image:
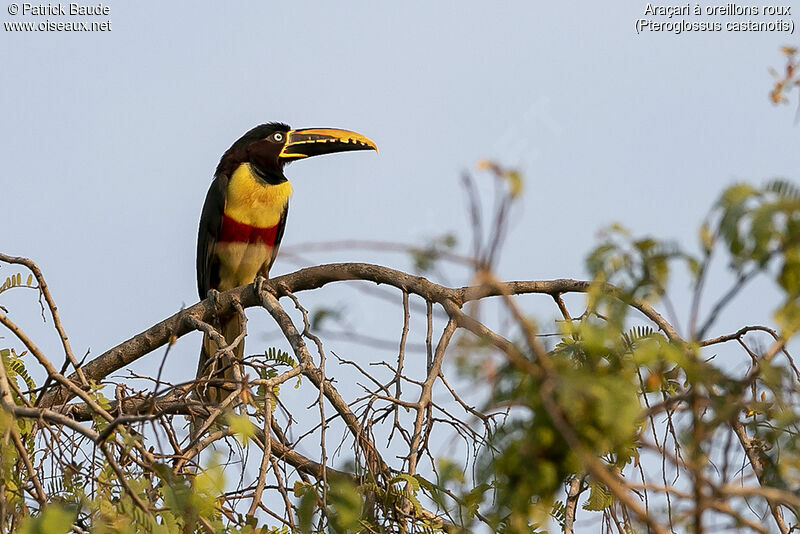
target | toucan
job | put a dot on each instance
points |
(244, 217)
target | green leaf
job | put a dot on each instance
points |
(599, 497)
(15, 280)
(54, 519)
(515, 182)
(706, 238)
(788, 318)
(279, 357)
(789, 277)
(405, 477)
(345, 503)
(783, 189)
(323, 314)
(305, 509)
(241, 427)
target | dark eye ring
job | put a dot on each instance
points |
(277, 136)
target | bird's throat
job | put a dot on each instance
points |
(252, 201)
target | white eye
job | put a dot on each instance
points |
(277, 136)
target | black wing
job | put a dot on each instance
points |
(208, 234)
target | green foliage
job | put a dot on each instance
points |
(345, 499)
(307, 496)
(241, 426)
(341, 506)
(636, 334)
(529, 458)
(425, 258)
(53, 519)
(275, 358)
(15, 368)
(531, 463)
(559, 514)
(12, 495)
(190, 498)
(512, 178)
(599, 499)
(640, 266)
(588, 397)
(603, 368)
(759, 226)
(178, 503)
(323, 314)
(453, 493)
(280, 357)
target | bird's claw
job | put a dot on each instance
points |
(213, 296)
(258, 284)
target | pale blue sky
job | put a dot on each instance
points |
(110, 139)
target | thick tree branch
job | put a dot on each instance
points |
(180, 323)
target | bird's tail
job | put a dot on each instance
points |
(217, 367)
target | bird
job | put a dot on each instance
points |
(244, 218)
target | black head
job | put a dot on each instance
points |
(261, 148)
(268, 147)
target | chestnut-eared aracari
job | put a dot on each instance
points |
(244, 217)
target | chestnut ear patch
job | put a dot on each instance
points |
(264, 154)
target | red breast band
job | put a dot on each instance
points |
(234, 231)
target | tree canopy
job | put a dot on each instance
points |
(623, 414)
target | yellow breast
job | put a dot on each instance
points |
(251, 201)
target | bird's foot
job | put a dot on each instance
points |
(258, 284)
(213, 297)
